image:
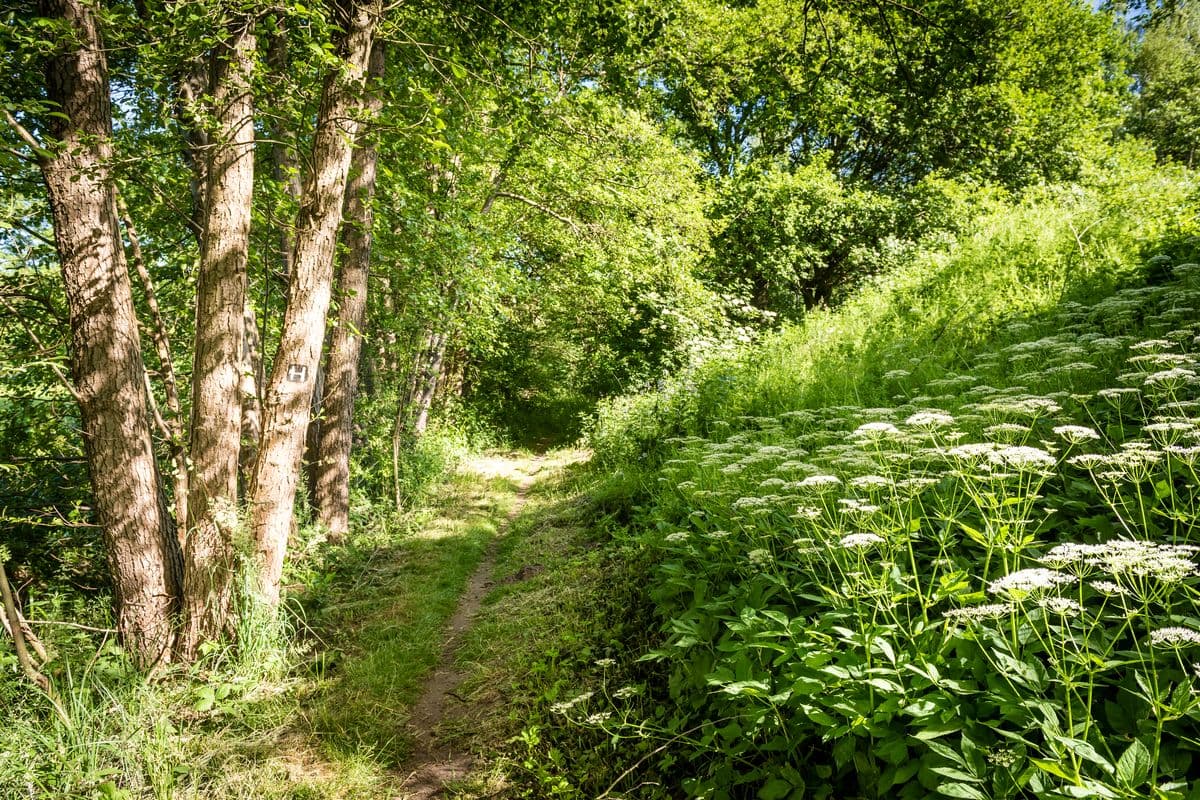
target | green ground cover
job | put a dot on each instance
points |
(940, 541)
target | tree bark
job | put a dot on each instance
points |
(332, 468)
(106, 352)
(429, 383)
(289, 391)
(216, 425)
(251, 388)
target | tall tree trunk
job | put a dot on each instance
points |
(289, 391)
(106, 352)
(312, 436)
(219, 351)
(429, 383)
(251, 391)
(332, 484)
(404, 403)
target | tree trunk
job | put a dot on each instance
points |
(251, 391)
(332, 467)
(404, 403)
(219, 351)
(106, 352)
(429, 383)
(312, 436)
(289, 391)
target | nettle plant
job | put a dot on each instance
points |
(988, 590)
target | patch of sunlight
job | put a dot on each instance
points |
(517, 466)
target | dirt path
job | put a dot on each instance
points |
(433, 764)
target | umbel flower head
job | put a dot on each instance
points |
(1175, 637)
(1022, 583)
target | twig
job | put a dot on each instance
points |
(608, 792)
(25, 135)
(74, 625)
(540, 207)
(70, 387)
(18, 635)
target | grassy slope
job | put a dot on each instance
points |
(1016, 278)
(1058, 244)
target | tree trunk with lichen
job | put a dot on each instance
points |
(331, 489)
(106, 350)
(288, 395)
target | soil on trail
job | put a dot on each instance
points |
(433, 764)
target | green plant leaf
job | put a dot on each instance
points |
(1133, 767)
(964, 790)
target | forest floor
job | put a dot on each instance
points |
(426, 640)
(420, 661)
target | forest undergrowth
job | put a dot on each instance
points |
(315, 706)
(939, 542)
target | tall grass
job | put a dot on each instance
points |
(1054, 244)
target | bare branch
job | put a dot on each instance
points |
(14, 627)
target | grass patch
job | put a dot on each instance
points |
(565, 603)
(303, 715)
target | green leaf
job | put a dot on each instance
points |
(205, 699)
(1133, 767)
(961, 790)
(946, 752)
(1053, 768)
(955, 774)
(1085, 751)
(775, 789)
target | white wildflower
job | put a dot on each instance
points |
(1024, 459)
(819, 482)
(1029, 581)
(1076, 433)
(876, 430)
(1171, 379)
(980, 612)
(1174, 637)
(930, 419)
(1150, 345)
(860, 541)
(870, 482)
(808, 512)
(1063, 606)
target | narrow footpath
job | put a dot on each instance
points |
(433, 764)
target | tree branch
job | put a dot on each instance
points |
(70, 387)
(13, 626)
(27, 137)
(542, 208)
